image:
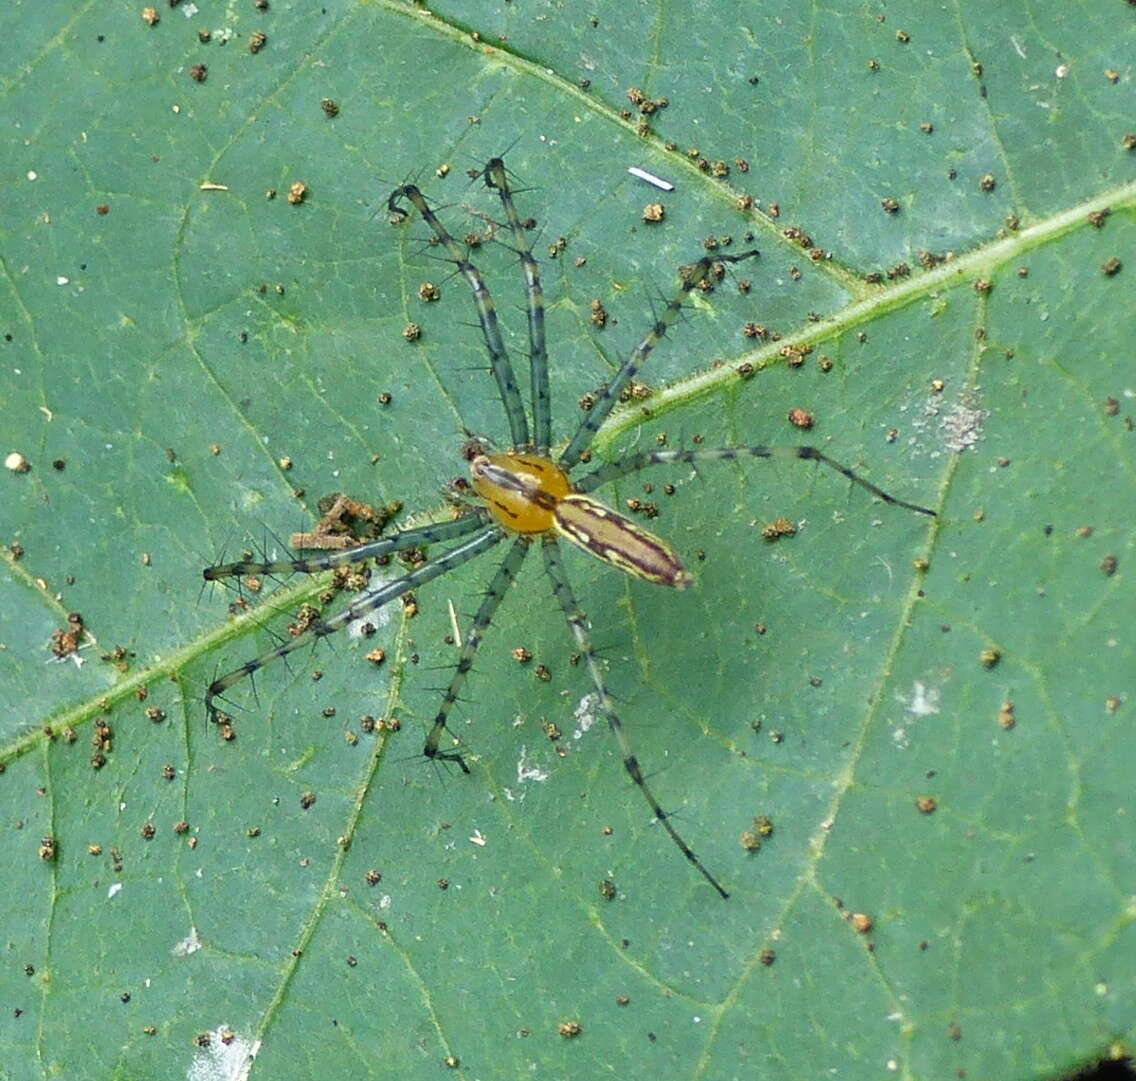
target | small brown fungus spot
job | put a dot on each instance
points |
(1006, 717)
(800, 418)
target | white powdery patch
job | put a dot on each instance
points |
(527, 770)
(962, 425)
(923, 701)
(586, 714)
(190, 944)
(228, 1057)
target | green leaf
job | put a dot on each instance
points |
(171, 335)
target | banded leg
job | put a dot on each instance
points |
(370, 601)
(497, 178)
(481, 621)
(607, 398)
(577, 623)
(398, 542)
(486, 310)
(634, 462)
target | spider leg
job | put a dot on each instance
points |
(577, 623)
(397, 542)
(634, 462)
(692, 277)
(370, 601)
(486, 310)
(505, 575)
(496, 177)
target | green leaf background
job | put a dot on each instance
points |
(1001, 940)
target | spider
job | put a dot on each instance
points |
(527, 494)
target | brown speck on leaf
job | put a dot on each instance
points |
(800, 418)
(150, 16)
(795, 354)
(66, 642)
(926, 804)
(1111, 266)
(1006, 715)
(653, 213)
(198, 73)
(257, 41)
(412, 332)
(297, 192)
(989, 657)
(329, 107)
(778, 528)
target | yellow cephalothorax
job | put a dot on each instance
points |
(530, 494)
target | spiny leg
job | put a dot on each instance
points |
(370, 601)
(505, 575)
(496, 177)
(605, 402)
(397, 542)
(577, 623)
(486, 310)
(634, 462)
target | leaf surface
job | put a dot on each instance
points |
(935, 714)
